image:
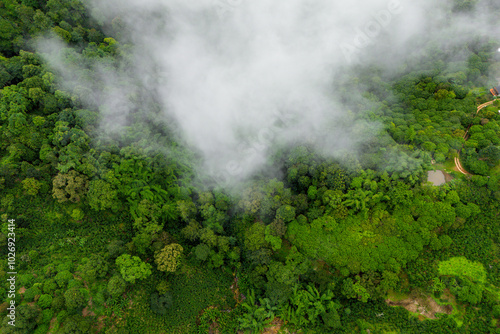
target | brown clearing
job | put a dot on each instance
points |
(275, 327)
(425, 307)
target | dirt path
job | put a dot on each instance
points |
(457, 158)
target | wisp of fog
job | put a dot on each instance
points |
(241, 76)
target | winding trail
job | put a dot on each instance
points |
(457, 158)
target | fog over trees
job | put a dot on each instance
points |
(226, 166)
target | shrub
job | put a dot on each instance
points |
(31, 186)
(163, 287)
(202, 251)
(44, 301)
(63, 277)
(74, 298)
(61, 316)
(116, 286)
(132, 268)
(65, 266)
(58, 302)
(47, 315)
(168, 258)
(41, 329)
(160, 303)
(30, 293)
(49, 286)
(115, 249)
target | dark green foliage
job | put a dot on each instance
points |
(160, 304)
(47, 315)
(58, 302)
(75, 324)
(202, 251)
(115, 249)
(74, 298)
(102, 196)
(31, 293)
(26, 320)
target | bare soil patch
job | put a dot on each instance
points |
(427, 307)
(436, 177)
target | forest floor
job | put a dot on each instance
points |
(275, 327)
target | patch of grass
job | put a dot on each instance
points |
(397, 296)
(447, 166)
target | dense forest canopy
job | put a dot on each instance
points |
(228, 167)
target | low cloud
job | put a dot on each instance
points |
(241, 76)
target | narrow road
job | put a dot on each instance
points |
(457, 158)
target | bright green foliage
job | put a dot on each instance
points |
(102, 195)
(255, 237)
(355, 290)
(258, 314)
(44, 301)
(331, 319)
(361, 222)
(274, 241)
(308, 306)
(31, 186)
(437, 285)
(132, 268)
(187, 209)
(461, 267)
(62, 278)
